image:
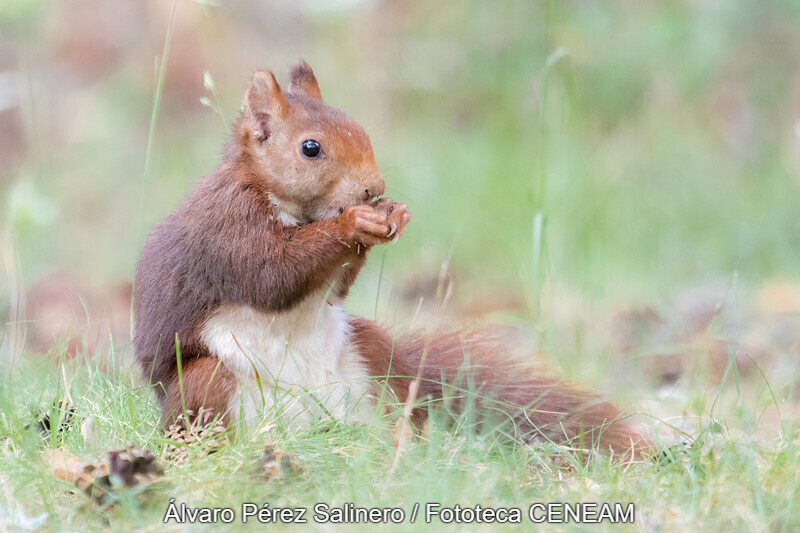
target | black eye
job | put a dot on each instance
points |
(311, 148)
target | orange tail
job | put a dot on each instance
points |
(458, 368)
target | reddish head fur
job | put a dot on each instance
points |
(272, 130)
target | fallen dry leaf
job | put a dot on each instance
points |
(65, 466)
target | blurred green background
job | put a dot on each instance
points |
(658, 140)
(619, 178)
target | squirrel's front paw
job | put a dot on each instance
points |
(365, 225)
(398, 220)
(397, 216)
(381, 222)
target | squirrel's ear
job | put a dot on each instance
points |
(303, 82)
(263, 103)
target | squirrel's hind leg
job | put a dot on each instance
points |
(207, 384)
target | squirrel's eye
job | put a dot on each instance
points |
(311, 148)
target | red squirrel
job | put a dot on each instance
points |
(249, 277)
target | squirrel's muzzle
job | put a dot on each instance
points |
(374, 187)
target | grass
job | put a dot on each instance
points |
(564, 160)
(726, 478)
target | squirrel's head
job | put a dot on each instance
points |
(314, 160)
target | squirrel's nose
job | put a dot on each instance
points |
(374, 189)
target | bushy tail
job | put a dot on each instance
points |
(462, 368)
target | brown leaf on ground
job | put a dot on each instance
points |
(69, 315)
(112, 471)
(65, 466)
(777, 296)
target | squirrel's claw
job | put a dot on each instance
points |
(398, 218)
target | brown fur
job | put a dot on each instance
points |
(303, 82)
(227, 244)
(207, 383)
(192, 263)
(233, 241)
(463, 366)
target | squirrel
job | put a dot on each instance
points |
(239, 293)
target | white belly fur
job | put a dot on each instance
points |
(304, 359)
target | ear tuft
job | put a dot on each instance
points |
(303, 82)
(263, 103)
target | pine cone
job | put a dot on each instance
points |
(43, 421)
(117, 470)
(202, 436)
(275, 464)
